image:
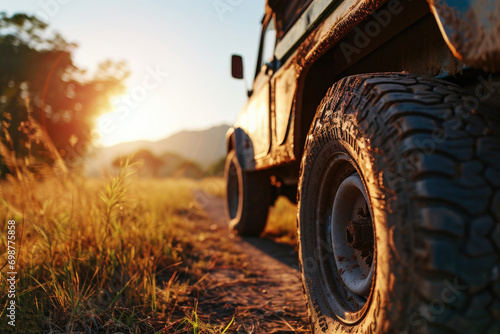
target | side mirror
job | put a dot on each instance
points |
(237, 66)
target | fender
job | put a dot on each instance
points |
(470, 28)
(237, 139)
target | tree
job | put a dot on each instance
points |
(41, 90)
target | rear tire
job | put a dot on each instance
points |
(429, 166)
(248, 197)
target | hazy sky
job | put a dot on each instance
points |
(186, 44)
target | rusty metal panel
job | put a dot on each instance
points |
(255, 116)
(285, 85)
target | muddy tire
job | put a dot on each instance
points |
(404, 171)
(248, 197)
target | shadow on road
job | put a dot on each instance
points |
(281, 252)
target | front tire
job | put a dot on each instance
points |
(248, 197)
(424, 254)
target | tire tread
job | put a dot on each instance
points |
(457, 184)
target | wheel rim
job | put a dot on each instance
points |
(232, 190)
(352, 236)
(346, 277)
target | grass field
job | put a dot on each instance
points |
(282, 222)
(115, 256)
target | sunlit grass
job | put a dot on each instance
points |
(282, 222)
(102, 256)
(213, 186)
(128, 254)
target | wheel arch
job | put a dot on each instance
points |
(389, 51)
(239, 141)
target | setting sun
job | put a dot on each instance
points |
(166, 38)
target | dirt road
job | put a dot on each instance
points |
(268, 296)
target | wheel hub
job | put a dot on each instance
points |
(352, 237)
(359, 234)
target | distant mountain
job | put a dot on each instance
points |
(205, 147)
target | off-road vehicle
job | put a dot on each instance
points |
(381, 120)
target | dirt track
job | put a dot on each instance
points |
(271, 293)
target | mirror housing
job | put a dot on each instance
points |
(237, 66)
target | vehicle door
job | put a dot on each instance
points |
(258, 110)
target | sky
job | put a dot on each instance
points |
(178, 53)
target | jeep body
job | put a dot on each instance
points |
(312, 44)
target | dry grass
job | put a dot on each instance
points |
(96, 256)
(213, 186)
(125, 255)
(282, 222)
